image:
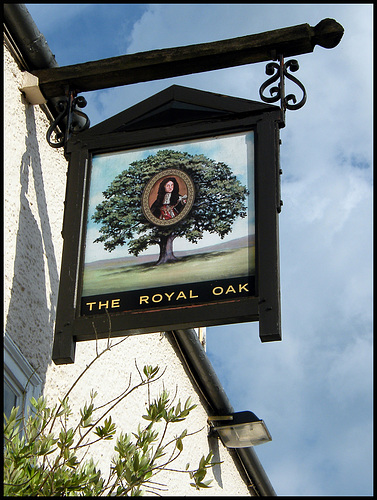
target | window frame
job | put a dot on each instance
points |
(20, 376)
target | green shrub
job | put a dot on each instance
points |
(43, 453)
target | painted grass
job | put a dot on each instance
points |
(118, 277)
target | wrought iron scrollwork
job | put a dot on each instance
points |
(68, 119)
(278, 92)
(54, 127)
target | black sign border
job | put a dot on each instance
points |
(264, 121)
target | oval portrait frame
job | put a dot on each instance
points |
(150, 187)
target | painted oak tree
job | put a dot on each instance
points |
(219, 201)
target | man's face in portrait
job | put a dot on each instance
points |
(169, 186)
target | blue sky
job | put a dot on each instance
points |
(313, 389)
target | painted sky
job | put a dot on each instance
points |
(313, 389)
(236, 150)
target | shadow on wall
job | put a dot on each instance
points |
(32, 306)
(213, 443)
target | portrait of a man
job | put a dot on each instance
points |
(169, 202)
(168, 197)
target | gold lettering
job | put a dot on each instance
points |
(158, 299)
(230, 289)
(90, 304)
(193, 296)
(220, 288)
(169, 296)
(181, 295)
(243, 287)
(115, 303)
(103, 304)
(144, 298)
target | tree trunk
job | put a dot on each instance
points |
(166, 250)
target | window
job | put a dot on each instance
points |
(10, 398)
(21, 382)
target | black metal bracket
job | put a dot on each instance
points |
(278, 92)
(70, 119)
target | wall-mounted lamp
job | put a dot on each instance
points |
(240, 430)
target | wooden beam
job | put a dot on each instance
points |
(167, 63)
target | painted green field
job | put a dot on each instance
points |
(116, 276)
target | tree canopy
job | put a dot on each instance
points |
(219, 201)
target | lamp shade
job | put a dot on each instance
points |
(244, 429)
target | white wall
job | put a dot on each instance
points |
(34, 188)
(34, 191)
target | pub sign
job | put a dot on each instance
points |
(171, 220)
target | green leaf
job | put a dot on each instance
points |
(205, 484)
(179, 444)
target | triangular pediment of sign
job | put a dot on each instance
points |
(173, 106)
(171, 113)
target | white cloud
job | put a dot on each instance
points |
(349, 376)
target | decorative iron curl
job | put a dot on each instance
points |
(54, 127)
(270, 68)
(68, 114)
(278, 92)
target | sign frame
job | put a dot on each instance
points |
(173, 115)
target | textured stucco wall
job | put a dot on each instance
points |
(34, 188)
(34, 191)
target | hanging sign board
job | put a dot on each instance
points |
(171, 220)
